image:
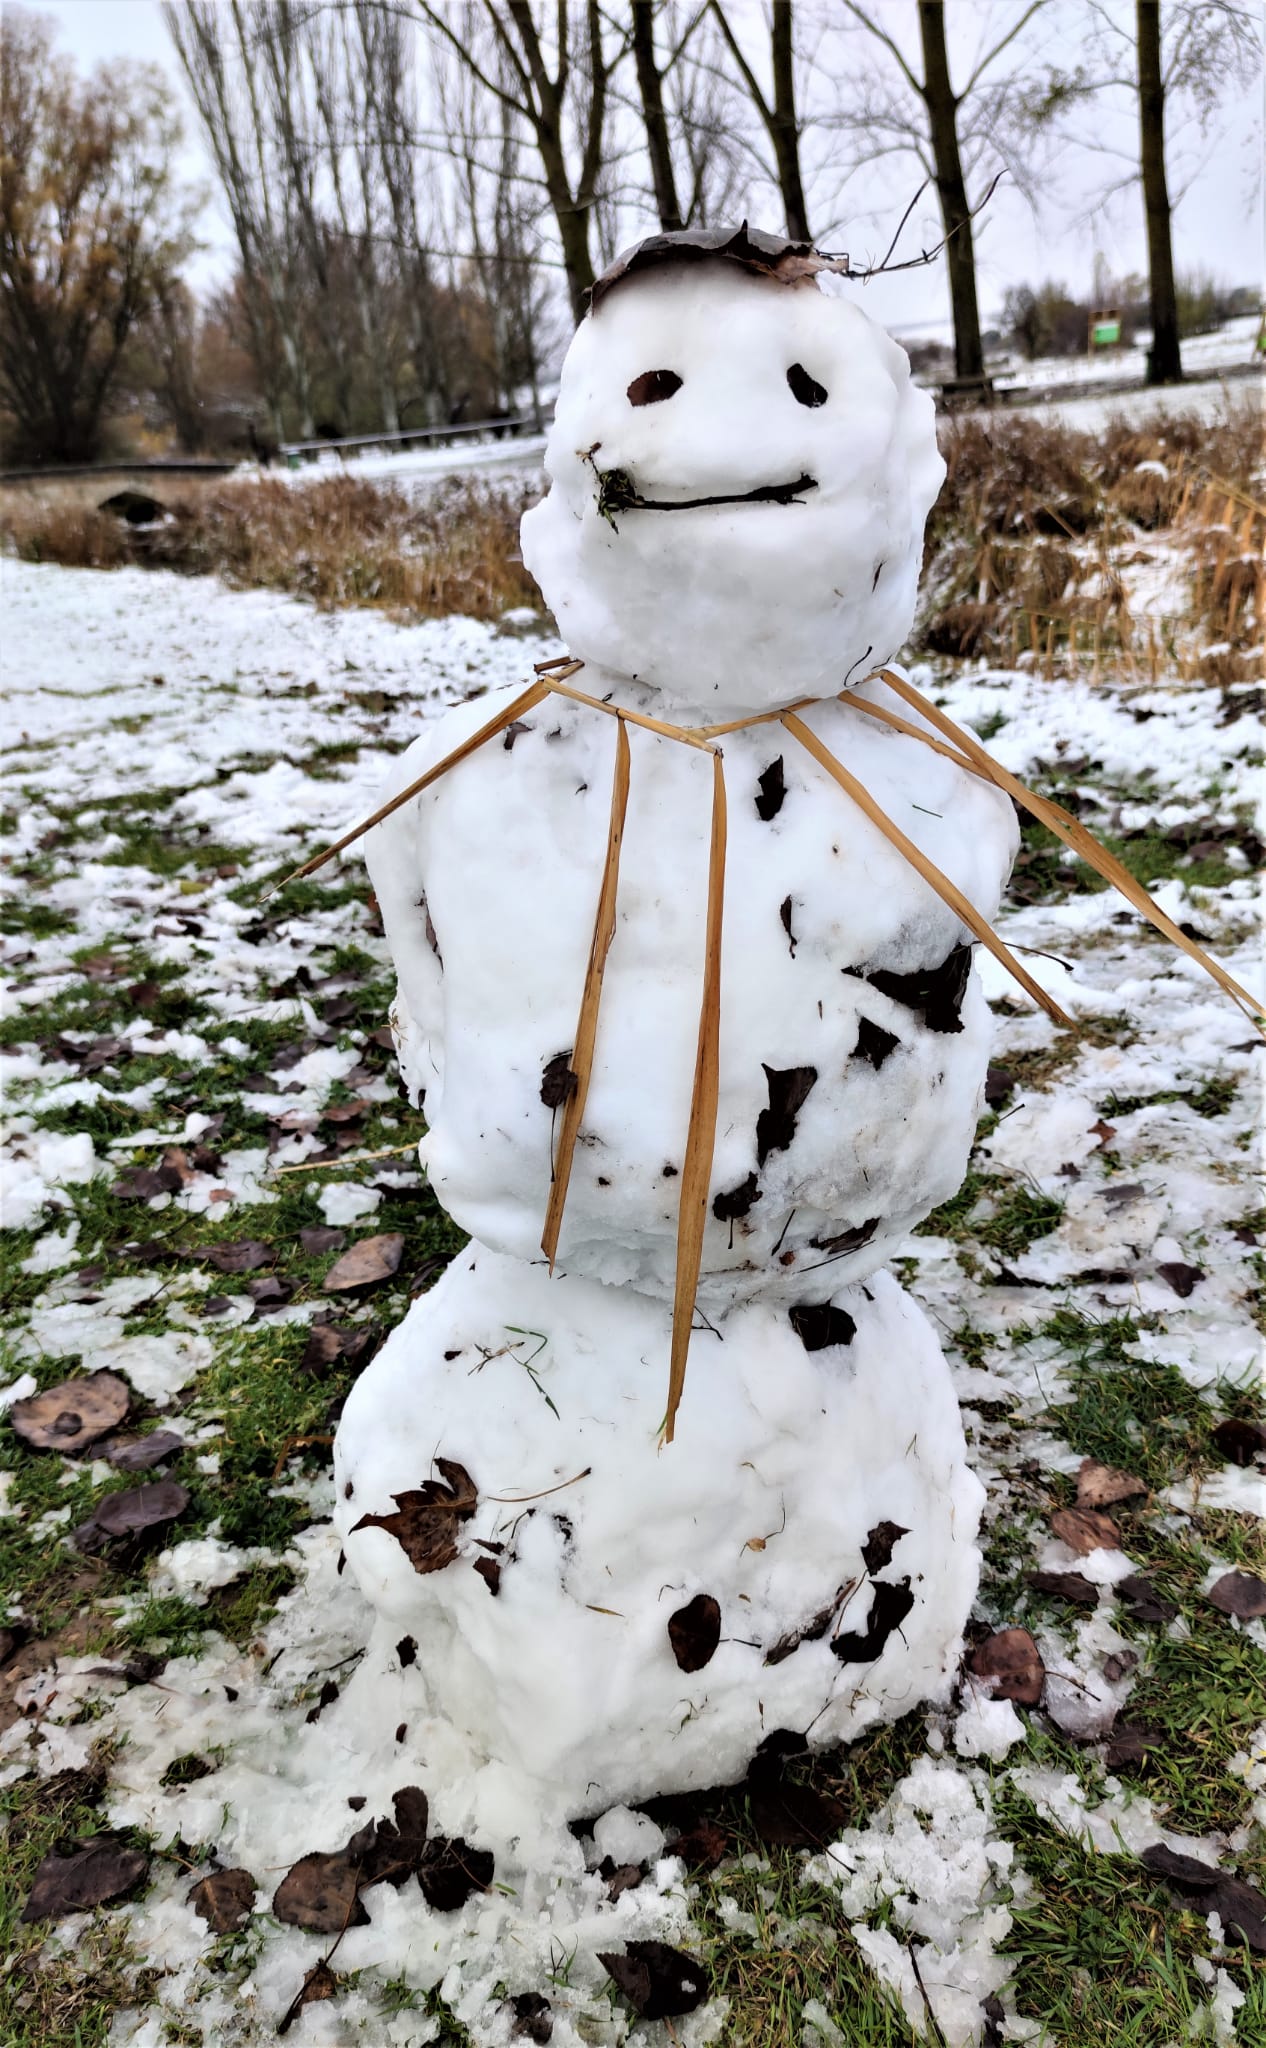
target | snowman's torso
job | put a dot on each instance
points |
(853, 1034)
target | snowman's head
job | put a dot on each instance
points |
(740, 471)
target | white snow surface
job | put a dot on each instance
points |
(732, 607)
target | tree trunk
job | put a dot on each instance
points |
(650, 87)
(1164, 360)
(784, 131)
(960, 255)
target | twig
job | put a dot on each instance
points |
(347, 1159)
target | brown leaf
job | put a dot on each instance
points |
(141, 1508)
(371, 1260)
(999, 1084)
(533, 2020)
(321, 1237)
(1068, 1586)
(225, 1899)
(1129, 1744)
(1240, 1907)
(820, 1325)
(620, 1877)
(1140, 1596)
(489, 1570)
(1099, 1486)
(772, 785)
(1182, 1278)
(425, 1521)
(329, 1342)
(813, 1630)
(558, 1081)
(73, 1415)
(1239, 1593)
(874, 1044)
(1241, 1441)
(321, 1892)
(1104, 1132)
(935, 993)
(344, 1112)
(450, 1870)
(736, 1202)
(95, 1873)
(269, 1293)
(694, 1632)
(246, 1256)
(888, 1610)
(879, 1545)
(1084, 1530)
(788, 1091)
(143, 1183)
(701, 1846)
(320, 1983)
(1010, 1657)
(138, 1453)
(659, 1982)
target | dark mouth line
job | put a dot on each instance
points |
(617, 492)
(764, 494)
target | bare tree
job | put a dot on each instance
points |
(777, 112)
(556, 81)
(92, 230)
(650, 86)
(926, 116)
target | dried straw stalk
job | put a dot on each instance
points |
(1083, 843)
(587, 1022)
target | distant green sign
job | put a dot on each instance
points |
(1105, 333)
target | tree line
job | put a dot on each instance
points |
(421, 195)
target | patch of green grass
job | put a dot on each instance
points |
(1212, 1098)
(1016, 1215)
(1101, 1952)
(1045, 873)
(34, 920)
(67, 1999)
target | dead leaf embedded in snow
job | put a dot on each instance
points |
(224, 1899)
(558, 1082)
(247, 1256)
(737, 1201)
(425, 1521)
(873, 1043)
(1104, 1132)
(1182, 1278)
(936, 993)
(373, 1259)
(694, 1632)
(533, 2019)
(773, 788)
(880, 1543)
(1099, 1486)
(321, 1892)
(889, 1609)
(450, 1870)
(93, 1874)
(141, 1508)
(1240, 1594)
(813, 1630)
(1084, 1530)
(320, 1983)
(1010, 1657)
(73, 1415)
(820, 1325)
(659, 1982)
(788, 1091)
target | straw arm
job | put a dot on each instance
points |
(581, 1062)
(948, 891)
(1085, 844)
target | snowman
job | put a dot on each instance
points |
(739, 473)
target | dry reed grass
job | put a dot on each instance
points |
(342, 541)
(1135, 551)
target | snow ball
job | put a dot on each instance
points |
(988, 1728)
(628, 1837)
(342, 1201)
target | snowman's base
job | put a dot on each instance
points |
(545, 1573)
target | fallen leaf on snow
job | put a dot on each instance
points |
(889, 1609)
(533, 2019)
(1241, 1442)
(224, 1899)
(1010, 1657)
(425, 1520)
(320, 1983)
(694, 1632)
(450, 1870)
(321, 1892)
(1070, 1586)
(1182, 1278)
(880, 1543)
(141, 1508)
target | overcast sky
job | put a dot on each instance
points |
(1217, 225)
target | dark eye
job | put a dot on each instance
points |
(805, 389)
(653, 386)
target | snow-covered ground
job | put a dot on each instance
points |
(150, 715)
